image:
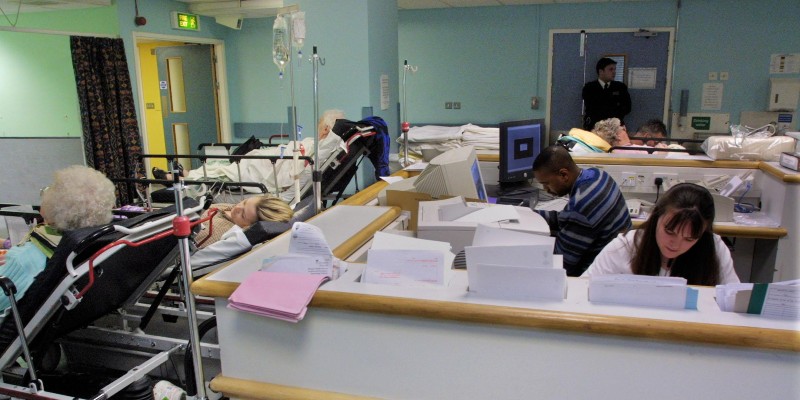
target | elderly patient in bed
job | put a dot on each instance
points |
(606, 134)
(263, 171)
(79, 197)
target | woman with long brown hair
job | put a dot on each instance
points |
(676, 240)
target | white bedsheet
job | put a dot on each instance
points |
(480, 137)
(262, 171)
(433, 133)
(444, 138)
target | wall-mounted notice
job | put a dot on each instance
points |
(712, 96)
(784, 64)
(642, 78)
(384, 92)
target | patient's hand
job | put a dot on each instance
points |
(3, 257)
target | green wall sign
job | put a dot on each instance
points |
(701, 123)
(185, 21)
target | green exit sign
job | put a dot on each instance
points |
(185, 21)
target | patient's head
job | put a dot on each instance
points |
(78, 197)
(653, 128)
(612, 131)
(327, 120)
(260, 208)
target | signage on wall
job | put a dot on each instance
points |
(701, 123)
(185, 21)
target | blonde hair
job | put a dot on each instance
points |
(79, 197)
(607, 129)
(273, 209)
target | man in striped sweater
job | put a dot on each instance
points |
(595, 214)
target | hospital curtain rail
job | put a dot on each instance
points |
(112, 143)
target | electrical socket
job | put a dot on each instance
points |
(667, 179)
(448, 105)
(631, 179)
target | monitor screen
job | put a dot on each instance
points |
(520, 143)
(477, 179)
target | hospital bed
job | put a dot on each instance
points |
(362, 139)
(261, 232)
(93, 273)
(690, 146)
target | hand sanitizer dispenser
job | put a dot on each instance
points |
(783, 94)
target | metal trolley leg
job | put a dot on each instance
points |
(10, 290)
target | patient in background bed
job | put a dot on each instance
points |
(653, 128)
(79, 197)
(263, 171)
(606, 134)
(227, 238)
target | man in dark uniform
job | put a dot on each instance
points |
(605, 97)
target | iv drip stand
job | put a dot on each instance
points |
(295, 150)
(316, 175)
(191, 308)
(405, 126)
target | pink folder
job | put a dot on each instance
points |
(280, 295)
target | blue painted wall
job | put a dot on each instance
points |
(491, 59)
(494, 59)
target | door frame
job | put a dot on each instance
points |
(219, 66)
(670, 64)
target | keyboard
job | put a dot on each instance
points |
(514, 201)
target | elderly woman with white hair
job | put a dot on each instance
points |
(79, 197)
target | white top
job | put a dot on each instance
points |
(615, 258)
(232, 243)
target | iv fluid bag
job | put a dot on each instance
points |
(298, 30)
(280, 44)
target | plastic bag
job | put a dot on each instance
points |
(741, 132)
(746, 143)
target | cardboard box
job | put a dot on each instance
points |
(409, 200)
(461, 233)
(790, 160)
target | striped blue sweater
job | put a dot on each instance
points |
(595, 214)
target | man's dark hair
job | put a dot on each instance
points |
(553, 158)
(603, 63)
(653, 126)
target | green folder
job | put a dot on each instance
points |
(757, 298)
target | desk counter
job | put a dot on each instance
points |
(361, 340)
(676, 160)
(739, 231)
(775, 259)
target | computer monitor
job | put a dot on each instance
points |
(520, 143)
(453, 173)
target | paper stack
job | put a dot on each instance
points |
(280, 295)
(776, 300)
(638, 290)
(514, 265)
(309, 253)
(405, 261)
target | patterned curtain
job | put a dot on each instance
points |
(110, 131)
